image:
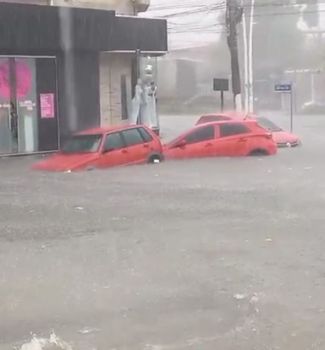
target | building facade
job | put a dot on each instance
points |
(124, 7)
(65, 69)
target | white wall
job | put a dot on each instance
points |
(112, 67)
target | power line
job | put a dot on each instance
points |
(196, 27)
(198, 8)
(272, 14)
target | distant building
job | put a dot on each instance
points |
(64, 69)
(177, 79)
(186, 75)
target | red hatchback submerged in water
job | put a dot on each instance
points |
(224, 138)
(104, 148)
(281, 137)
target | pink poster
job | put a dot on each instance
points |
(47, 105)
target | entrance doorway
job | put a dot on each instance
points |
(21, 111)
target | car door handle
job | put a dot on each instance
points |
(208, 145)
(145, 145)
(124, 151)
(242, 139)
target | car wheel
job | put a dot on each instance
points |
(258, 153)
(155, 159)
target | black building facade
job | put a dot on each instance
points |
(50, 69)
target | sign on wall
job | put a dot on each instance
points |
(47, 106)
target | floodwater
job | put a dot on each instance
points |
(209, 253)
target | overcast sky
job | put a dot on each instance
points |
(191, 23)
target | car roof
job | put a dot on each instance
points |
(231, 114)
(231, 121)
(106, 129)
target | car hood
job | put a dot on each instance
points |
(282, 137)
(65, 162)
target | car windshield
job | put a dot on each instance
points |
(82, 144)
(268, 125)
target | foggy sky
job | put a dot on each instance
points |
(190, 30)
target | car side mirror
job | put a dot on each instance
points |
(182, 143)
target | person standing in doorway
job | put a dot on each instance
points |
(153, 102)
(149, 107)
(14, 124)
(137, 101)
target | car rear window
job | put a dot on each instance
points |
(145, 135)
(233, 129)
(82, 144)
(132, 137)
(201, 134)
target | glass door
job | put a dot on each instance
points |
(7, 127)
(25, 104)
(18, 108)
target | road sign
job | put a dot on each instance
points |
(286, 88)
(283, 87)
(220, 84)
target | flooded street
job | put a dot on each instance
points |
(197, 254)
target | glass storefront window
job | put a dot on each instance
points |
(7, 136)
(20, 113)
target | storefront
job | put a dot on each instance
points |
(52, 70)
(28, 106)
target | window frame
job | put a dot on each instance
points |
(143, 130)
(131, 129)
(220, 136)
(197, 130)
(80, 136)
(112, 133)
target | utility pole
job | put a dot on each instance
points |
(246, 68)
(234, 14)
(250, 59)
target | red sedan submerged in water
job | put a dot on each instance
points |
(223, 138)
(104, 148)
(281, 137)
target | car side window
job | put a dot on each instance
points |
(113, 141)
(201, 134)
(132, 137)
(145, 135)
(233, 129)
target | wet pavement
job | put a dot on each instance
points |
(199, 254)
